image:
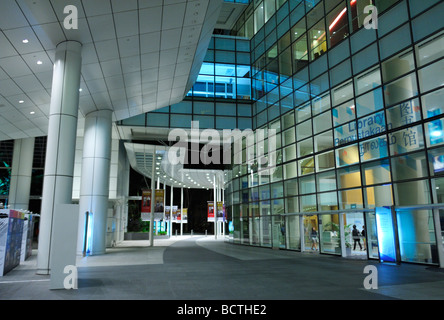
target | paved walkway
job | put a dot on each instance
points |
(202, 268)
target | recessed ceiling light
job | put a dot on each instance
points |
(21, 101)
(80, 89)
(25, 40)
(39, 62)
(32, 112)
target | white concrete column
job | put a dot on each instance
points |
(62, 131)
(181, 211)
(21, 173)
(171, 210)
(215, 206)
(153, 197)
(94, 185)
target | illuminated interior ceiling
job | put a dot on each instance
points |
(141, 157)
(138, 56)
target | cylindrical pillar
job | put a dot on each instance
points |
(171, 210)
(153, 197)
(62, 131)
(181, 211)
(94, 185)
(21, 173)
(215, 206)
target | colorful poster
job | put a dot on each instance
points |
(159, 201)
(184, 215)
(146, 205)
(220, 211)
(174, 213)
(210, 211)
(167, 213)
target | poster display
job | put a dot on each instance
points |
(220, 211)
(11, 236)
(159, 196)
(146, 205)
(210, 211)
(184, 215)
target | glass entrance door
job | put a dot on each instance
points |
(371, 236)
(329, 234)
(311, 233)
(353, 229)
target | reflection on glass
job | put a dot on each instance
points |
(329, 234)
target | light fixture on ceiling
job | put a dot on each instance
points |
(21, 101)
(25, 40)
(32, 112)
(39, 62)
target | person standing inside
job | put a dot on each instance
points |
(356, 238)
(314, 239)
(363, 238)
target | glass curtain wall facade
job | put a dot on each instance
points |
(358, 115)
(221, 96)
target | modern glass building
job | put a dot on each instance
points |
(344, 99)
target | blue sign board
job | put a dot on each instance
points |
(386, 234)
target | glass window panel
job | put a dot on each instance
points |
(369, 102)
(182, 107)
(342, 93)
(305, 147)
(291, 187)
(307, 185)
(323, 141)
(337, 22)
(306, 166)
(285, 68)
(300, 53)
(434, 132)
(412, 193)
(371, 125)
(350, 199)
(203, 107)
(398, 66)
(344, 113)
(395, 41)
(290, 153)
(373, 149)
(290, 170)
(328, 201)
(315, 15)
(431, 76)
(366, 58)
(303, 130)
(205, 122)
(417, 238)
(303, 112)
(409, 166)
(345, 134)
(433, 103)
(298, 30)
(326, 181)
(347, 155)
(404, 113)
(258, 18)
(406, 140)
(378, 196)
(430, 50)
(436, 163)
(321, 104)
(288, 137)
(288, 120)
(322, 122)
(376, 172)
(367, 81)
(270, 8)
(308, 203)
(178, 121)
(325, 161)
(317, 40)
(349, 177)
(357, 13)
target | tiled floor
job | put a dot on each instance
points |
(202, 268)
